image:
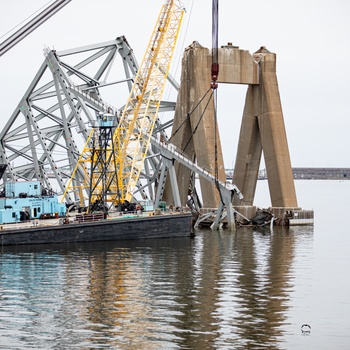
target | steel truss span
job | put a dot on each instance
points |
(44, 136)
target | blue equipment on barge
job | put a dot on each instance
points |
(25, 201)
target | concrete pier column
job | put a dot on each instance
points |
(263, 130)
(196, 137)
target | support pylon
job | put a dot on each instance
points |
(263, 132)
(262, 129)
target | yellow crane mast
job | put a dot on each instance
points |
(113, 178)
(132, 136)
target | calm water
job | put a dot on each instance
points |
(250, 290)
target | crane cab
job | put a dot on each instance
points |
(106, 120)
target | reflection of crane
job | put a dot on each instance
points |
(132, 136)
(31, 25)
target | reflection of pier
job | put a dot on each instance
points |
(203, 293)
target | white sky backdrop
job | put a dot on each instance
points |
(310, 38)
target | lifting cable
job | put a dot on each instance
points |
(216, 146)
(196, 127)
(214, 84)
(189, 114)
(213, 87)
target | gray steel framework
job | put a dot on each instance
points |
(47, 131)
(43, 137)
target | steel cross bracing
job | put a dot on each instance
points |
(43, 137)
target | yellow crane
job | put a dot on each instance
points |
(131, 138)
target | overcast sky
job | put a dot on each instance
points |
(310, 38)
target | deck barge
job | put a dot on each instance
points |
(124, 227)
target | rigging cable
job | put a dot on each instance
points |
(215, 50)
(189, 114)
(214, 84)
(200, 119)
(216, 145)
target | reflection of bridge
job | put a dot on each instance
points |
(219, 287)
(261, 175)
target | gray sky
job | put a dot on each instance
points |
(310, 38)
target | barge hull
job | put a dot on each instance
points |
(162, 226)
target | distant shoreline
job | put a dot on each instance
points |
(308, 174)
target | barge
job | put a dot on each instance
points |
(72, 230)
(29, 215)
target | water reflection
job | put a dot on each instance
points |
(264, 285)
(219, 290)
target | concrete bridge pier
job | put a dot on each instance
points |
(262, 130)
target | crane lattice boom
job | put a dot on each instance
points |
(117, 161)
(132, 136)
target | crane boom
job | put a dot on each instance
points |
(132, 136)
